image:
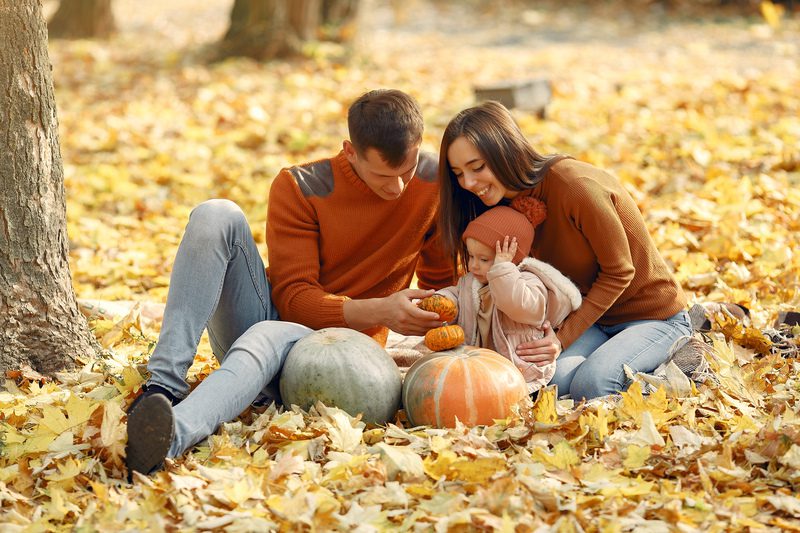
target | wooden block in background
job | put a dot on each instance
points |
(790, 318)
(529, 94)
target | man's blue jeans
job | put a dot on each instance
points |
(218, 282)
(592, 365)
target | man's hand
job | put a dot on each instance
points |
(541, 351)
(396, 311)
(507, 251)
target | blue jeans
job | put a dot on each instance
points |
(218, 282)
(592, 365)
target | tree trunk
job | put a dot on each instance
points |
(269, 29)
(40, 324)
(339, 18)
(82, 19)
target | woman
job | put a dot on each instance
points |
(633, 308)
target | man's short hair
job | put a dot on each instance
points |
(389, 121)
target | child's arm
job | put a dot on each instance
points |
(522, 297)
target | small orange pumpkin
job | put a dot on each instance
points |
(476, 385)
(444, 338)
(436, 303)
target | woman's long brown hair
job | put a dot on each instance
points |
(511, 158)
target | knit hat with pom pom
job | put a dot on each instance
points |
(494, 224)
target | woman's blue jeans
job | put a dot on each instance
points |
(592, 366)
(218, 282)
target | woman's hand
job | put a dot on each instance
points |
(542, 351)
(507, 251)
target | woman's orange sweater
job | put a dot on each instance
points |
(596, 236)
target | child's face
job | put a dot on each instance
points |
(480, 259)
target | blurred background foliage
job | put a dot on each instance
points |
(693, 104)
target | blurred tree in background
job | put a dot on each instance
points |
(81, 19)
(267, 29)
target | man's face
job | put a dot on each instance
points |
(385, 181)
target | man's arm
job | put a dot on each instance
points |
(435, 268)
(294, 265)
(293, 250)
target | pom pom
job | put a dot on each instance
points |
(534, 210)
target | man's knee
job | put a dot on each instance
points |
(217, 213)
(273, 336)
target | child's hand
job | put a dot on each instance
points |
(507, 251)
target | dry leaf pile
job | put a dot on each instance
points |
(700, 118)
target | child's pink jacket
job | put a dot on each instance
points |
(524, 296)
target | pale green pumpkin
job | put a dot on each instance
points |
(342, 368)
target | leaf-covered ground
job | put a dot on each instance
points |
(698, 115)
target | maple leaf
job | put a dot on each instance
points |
(401, 462)
(562, 456)
(344, 436)
(544, 408)
(636, 456)
(113, 434)
(772, 13)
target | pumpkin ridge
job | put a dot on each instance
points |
(439, 389)
(498, 398)
(471, 407)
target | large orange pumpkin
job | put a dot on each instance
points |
(474, 384)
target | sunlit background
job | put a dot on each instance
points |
(694, 105)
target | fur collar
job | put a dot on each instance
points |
(553, 279)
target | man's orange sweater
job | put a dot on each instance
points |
(331, 238)
(595, 235)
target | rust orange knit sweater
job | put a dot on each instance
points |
(596, 236)
(330, 238)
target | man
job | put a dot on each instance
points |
(345, 236)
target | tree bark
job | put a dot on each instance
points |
(82, 19)
(270, 29)
(339, 18)
(40, 324)
(259, 29)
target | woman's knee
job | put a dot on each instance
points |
(592, 381)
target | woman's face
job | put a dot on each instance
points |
(473, 173)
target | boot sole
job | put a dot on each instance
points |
(151, 427)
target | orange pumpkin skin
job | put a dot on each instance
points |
(444, 338)
(476, 385)
(436, 303)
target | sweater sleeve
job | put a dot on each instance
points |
(434, 268)
(596, 216)
(452, 293)
(293, 251)
(523, 298)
